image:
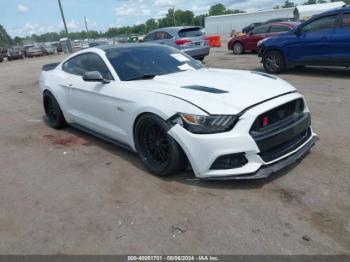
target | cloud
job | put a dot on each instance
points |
(22, 8)
(165, 3)
(133, 8)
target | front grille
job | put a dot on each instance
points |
(278, 114)
(281, 130)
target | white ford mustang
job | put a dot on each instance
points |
(171, 110)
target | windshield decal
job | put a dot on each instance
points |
(180, 57)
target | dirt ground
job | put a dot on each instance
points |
(65, 192)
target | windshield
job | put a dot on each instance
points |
(144, 62)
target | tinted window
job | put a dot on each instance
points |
(149, 37)
(162, 35)
(279, 28)
(260, 30)
(190, 32)
(346, 20)
(320, 24)
(80, 64)
(136, 62)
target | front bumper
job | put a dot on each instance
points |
(267, 170)
(203, 150)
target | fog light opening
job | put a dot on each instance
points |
(229, 161)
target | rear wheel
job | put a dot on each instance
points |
(53, 111)
(238, 48)
(159, 152)
(273, 62)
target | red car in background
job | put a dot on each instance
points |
(248, 42)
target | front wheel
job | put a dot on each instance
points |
(53, 111)
(273, 62)
(158, 151)
(238, 48)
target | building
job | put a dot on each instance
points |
(224, 24)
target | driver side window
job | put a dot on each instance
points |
(323, 23)
(80, 64)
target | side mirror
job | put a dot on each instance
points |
(298, 31)
(95, 76)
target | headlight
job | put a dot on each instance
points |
(199, 124)
(262, 41)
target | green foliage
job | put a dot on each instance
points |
(220, 9)
(288, 4)
(5, 39)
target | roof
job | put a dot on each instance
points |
(319, 7)
(125, 46)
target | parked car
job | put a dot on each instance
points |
(167, 107)
(1, 57)
(250, 27)
(188, 39)
(48, 49)
(322, 40)
(34, 51)
(14, 53)
(98, 43)
(248, 42)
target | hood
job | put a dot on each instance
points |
(219, 91)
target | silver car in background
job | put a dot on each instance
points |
(189, 39)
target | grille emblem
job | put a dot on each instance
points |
(265, 121)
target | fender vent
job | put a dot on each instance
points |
(206, 89)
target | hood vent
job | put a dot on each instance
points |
(206, 89)
(263, 74)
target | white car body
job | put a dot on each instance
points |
(111, 110)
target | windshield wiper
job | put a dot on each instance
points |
(141, 77)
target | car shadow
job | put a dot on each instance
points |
(187, 177)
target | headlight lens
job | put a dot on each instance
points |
(200, 124)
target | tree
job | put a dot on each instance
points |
(218, 9)
(5, 39)
(151, 24)
(288, 4)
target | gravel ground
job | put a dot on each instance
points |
(65, 192)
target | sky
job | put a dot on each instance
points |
(26, 17)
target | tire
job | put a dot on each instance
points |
(238, 48)
(53, 111)
(274, 62)
(158, 151)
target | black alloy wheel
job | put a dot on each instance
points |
(159, 152)
(53, 111)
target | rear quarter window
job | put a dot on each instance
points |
(190, 32)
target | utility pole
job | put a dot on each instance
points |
(174, 16)
(65, 27)
(87, 30)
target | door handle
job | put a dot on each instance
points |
(66, 85)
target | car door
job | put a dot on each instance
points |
(255, 36)
(340, 42)
(90, 104)
(311, 42)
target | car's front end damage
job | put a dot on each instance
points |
(266, 138)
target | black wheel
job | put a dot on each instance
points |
(273, 62)
(238, 48)
(53, 111)
(159, 152)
